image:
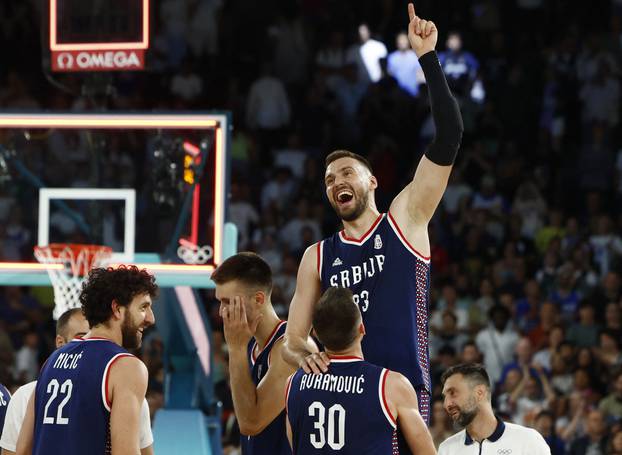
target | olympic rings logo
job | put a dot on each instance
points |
(195, 254)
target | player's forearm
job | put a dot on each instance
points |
(295, 349)
(243, 391)
(445, 113)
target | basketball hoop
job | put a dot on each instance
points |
(77, 260)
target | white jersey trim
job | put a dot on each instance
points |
(400, 236)
(382, 398)
(366, 236)
(320, 258)
(105, 377)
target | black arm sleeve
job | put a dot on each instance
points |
(445, 112)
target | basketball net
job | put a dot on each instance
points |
(77, 260)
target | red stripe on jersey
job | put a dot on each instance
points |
(401, 234)
(384, 397)
(373, 226)
(319, 259)
(108, 375)
(287, 389)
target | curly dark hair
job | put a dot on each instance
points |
(104, 285)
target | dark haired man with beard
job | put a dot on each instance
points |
(466, 398)
(89, 394)
(383, 258)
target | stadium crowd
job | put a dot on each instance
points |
(526, 247)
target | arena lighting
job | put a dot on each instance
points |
(138, 121)
(105, 121)
(55, 46)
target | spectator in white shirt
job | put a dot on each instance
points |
(497, 342)
(368, 54)
(467, 400)
(268, 105)
(187, 84)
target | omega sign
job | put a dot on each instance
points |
(106, 60)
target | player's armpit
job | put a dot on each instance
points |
(271, 391)
(127, 385)
(307, 294)
(25, 441)
(417, 202)
(402, 401)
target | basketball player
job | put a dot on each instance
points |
(90, 391)
(5, 399)
(70, 325)
(353, 408)
(383, 258)
(254, 335)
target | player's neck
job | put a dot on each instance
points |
(356, 229)
(266, 327)
(483, 425)
(101, 331)
(355, 351)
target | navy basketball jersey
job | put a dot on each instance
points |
(5, 397)
(342, 411)
(273, 438)
(390, 282)
(72, 407)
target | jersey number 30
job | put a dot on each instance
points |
(336, 436)
(65, 389)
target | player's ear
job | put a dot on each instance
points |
(59, 341)
(260, 297)
(117, 312)
(373, 182)
(362, 328)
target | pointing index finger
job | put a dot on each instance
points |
(411, 11)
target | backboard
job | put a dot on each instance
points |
(151, 186)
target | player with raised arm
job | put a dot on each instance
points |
(354, 407)
(89, 394)
(383, 258)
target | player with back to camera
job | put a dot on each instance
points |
(466, 398)
(70, 324)
(383, 258)
(354, 407)
(89, 394)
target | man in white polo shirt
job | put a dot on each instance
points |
(466, 395)
(71, 324)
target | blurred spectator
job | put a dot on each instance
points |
(611, 405)
(545, 425)
(367, 55)
(242, 213)
(497, 342)
(187, 84)
(584, 333)
(403, 65)
(595, 440)
(441, 427)
(27, 359)
(460, 66)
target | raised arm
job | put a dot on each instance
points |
(416, 204)
(297, 350)
(126, 391)
(402, 401)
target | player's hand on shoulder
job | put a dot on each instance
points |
(422, 33)
(237, 327)
(316, 363)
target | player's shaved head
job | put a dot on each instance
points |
(336, 319)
